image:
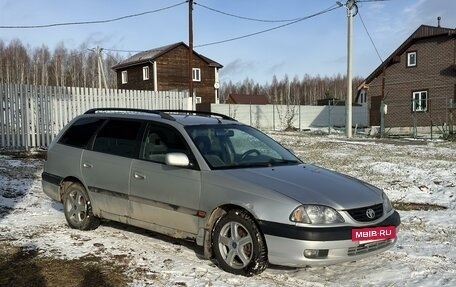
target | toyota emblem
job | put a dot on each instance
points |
(370, 213)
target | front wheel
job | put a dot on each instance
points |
(239, 247)
(77, 208)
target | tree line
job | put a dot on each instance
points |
(298, 91)
(20, 64)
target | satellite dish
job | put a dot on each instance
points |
(216, 85)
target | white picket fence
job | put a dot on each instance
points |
(31, 116)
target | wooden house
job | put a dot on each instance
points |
(247, 99)
(166, 69)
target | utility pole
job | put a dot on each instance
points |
(100, 64)
(101, 74)
(190, 50)
(348, 102)
(99, 67)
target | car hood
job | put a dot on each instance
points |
(309, 184)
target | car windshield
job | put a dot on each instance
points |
(238, 146)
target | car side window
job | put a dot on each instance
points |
(118, 137)
(160, 140)
(80, 133)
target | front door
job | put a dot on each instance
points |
(162, 195)
(374, 112)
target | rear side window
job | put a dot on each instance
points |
(118, 137)
(80, 133)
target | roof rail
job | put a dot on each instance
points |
(201, 113)
(156, 112)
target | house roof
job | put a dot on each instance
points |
(150, 55)
(424, 31)
(249, 99)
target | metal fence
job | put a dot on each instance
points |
(285, 117)
(432, 117)
(31, 116)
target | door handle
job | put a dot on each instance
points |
(139, 176)
(87, 165)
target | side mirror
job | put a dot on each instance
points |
(177, 159)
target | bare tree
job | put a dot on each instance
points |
(74, 69)
(2, 62)
(16, 61)
(109, 61)
(40, 62)
(58, 65)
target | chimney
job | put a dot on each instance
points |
(438, 21)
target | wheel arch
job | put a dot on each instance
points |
(67, 181)
(212, 220)
(90, 221)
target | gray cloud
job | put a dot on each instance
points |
(272, 70)
(237, 69)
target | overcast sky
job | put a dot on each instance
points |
(316, 46)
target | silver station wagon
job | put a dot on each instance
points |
(245, 198)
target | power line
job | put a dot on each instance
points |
(368, 34)
(329, 9)
(333, 7)
(124, 51)
(247, 18)
(289, 22)
(91, 22)
(372, 0)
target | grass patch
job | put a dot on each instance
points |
(18, 154)
(23, 266)
(408, 206)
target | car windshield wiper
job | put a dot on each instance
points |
(275, 161)
(248, 164)
(269, 163)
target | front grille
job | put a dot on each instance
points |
(359, 214)
(369, 247)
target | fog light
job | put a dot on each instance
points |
(316, 253)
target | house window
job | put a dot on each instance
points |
(124, 77)
(411, 59)
(146, 73)
(419, 101)
(196, 75)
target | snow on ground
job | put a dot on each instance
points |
(408, 171)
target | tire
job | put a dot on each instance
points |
(77, 208)
(242, 252)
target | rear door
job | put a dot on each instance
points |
(163, 195)
(106, 168)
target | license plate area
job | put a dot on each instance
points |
(373, 233)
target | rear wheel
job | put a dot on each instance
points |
(238, 245)
(77, 208)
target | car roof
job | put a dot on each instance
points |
(182, 117)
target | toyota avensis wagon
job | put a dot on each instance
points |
(204, 176)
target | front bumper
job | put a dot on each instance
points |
(287, 243)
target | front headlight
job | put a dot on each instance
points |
(315, 214)
(387, 206)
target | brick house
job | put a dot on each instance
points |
(166, 69)
(417, 81)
